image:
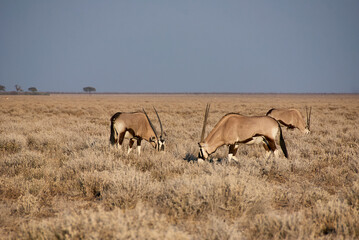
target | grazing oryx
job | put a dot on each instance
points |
(234, 129)
(135, 126)
(291, 118)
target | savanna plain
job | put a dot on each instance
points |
(61, 179)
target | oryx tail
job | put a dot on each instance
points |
(282, 142)
(114, 135)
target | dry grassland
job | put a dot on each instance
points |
(60, 179)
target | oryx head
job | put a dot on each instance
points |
(308, 113)
(155, 141)
(203, 154)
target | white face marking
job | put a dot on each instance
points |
(204, 152)
(203, 155)
(161, 145)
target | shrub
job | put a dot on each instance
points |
(12, 143)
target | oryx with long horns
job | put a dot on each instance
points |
(291, 118)
(233, 129)
(135, 126)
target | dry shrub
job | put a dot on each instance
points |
(139, 223)
(88, 160)
(217, 228)
(71, 141)
(11, 143)
(120, 188)
(46, 142)
(274, 226)
(27, 204)
(335, 218)
(311, 195)
(187, 198)
(5, 219)
(163, 168)
(10, 188)
(220, 193)
(352, 195)
(22, 162)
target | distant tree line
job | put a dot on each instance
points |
(32, 89)
(89, 89)
(19, 90)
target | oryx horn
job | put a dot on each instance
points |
(153, 128)
(205, 122)
(160, 123)
(308, 116)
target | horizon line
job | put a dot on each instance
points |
(153, 93)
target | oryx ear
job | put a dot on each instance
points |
(153, 139)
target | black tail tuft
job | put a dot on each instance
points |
(282, 143)
(113, 139)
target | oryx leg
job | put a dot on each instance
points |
(120, 140)
(268, 151)
(139, 146)
(130, 145)
(116, 138)
(270, 147)
(273, 148)
(266, 147)
(232, 152)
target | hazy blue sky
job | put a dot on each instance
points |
(180, 46)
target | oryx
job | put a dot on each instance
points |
(291, 118)
(233, 129)
(135, 126)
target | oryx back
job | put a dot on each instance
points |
(290, 118)
(236, 128)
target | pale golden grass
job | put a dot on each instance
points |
(60, 179)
